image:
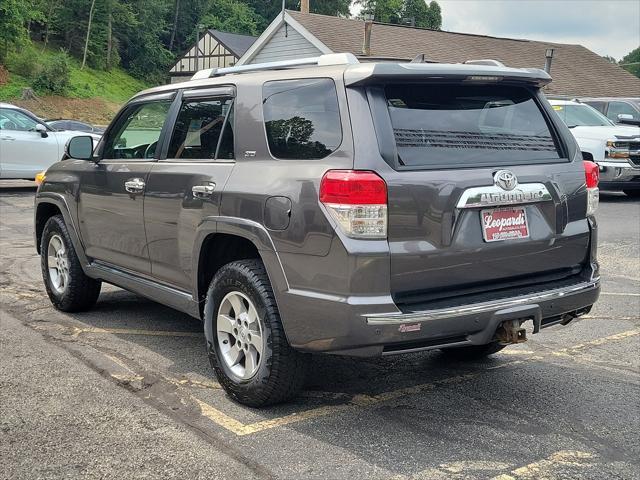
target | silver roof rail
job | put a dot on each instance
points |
(484, 61)
(322, 60)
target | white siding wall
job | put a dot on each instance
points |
(280, 47)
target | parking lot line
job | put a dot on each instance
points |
(135, 331)
(596, 342)
(544, 468)
(621, 294)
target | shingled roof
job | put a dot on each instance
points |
(576, 70)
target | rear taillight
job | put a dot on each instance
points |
(592, 176)
(357, 201)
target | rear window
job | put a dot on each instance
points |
(463, 125)
(301, 118)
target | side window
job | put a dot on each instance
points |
(136, 133)
(203, 127)
(597, 105)
(301, 117)
(15, 120)
(616, 108)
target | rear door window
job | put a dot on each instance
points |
(448, 126)
(302, 119)
(203, 130)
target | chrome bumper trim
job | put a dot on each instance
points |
(492, 195)
(443, 313)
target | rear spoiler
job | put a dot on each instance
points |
(376, 73)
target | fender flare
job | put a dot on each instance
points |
(249, 230)
(60, 202)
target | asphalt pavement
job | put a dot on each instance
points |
(126, 391)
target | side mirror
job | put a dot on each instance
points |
(42, 130)
(80, 148)
(627, 118)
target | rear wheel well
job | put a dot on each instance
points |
(587, 156)
(44, 212)
(217, 250)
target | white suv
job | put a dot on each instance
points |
(27, 144)
(615, 148)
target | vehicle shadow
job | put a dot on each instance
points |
(405, 414)
(186, 355)
(616, 197)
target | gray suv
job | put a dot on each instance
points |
(326, 205)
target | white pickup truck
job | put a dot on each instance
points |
(615, 148)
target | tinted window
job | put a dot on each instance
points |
(581, 115)
(136, 133)
(617, 108)
(597, 105)
(15, 120)
(301, 117)
(453, 125)
(200, 127)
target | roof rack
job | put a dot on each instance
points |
(484, 61)
(322, 60)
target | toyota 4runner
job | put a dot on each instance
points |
(326, 205)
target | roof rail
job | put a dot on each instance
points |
(485, 61)
(322, 60)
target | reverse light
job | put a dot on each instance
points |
(592, 177)
(357, 201)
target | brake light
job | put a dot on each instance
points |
(592, 173)
(592, 176)
(357, 201)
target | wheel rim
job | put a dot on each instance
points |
(57, 264)
(240, 336)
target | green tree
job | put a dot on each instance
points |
(413, 12)
(631, 62)
(14, 15)
(231, 16)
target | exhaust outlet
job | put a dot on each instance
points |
(510, 332)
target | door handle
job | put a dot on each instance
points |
(10, 139)
(203, 191)
(134, 185)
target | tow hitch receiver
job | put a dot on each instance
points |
(510, 332)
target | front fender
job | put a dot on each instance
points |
(60, 202)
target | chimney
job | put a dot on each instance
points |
(304, 6)
(368, 26)
(548, 55)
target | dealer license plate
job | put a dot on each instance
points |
(504, 224)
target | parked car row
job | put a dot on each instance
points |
(28, 144)
(615, 148)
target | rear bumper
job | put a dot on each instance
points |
(360, 333)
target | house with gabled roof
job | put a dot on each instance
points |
(214, 49)
(576, 70)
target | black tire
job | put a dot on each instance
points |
(281, 372)
(472, 352)
(632, 193)
(81, 292)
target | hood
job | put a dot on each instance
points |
(69, 134)
(619, 132)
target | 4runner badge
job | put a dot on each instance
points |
(414, 327)
(505, 179)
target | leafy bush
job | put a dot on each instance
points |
(55, 75)
(26, 62)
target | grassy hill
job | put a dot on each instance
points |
(92, 95)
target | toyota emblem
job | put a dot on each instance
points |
(505, 179)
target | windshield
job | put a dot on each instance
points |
(459, 125)
(580, 115)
